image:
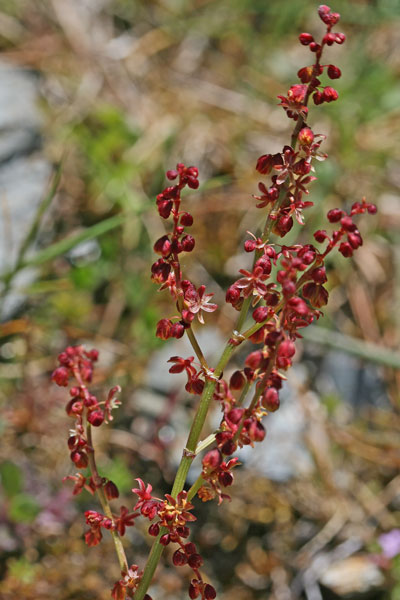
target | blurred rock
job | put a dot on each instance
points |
(24, 173)
(352, 577)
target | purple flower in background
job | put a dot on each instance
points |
(390, 543)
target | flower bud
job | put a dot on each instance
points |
(225, 478)
(190, 548)
(314, 47)
(270, 399)
(335, 215)
(249, 245)
(330, 94)
(172, 174)
(195, 561)
(177, 330)
(212, 459)
(355, 240)
(334, 72)
(346, 249)
(60, 376)
(209, 592)
(165, 539)
(96, 418)
(256, 431)
(329, 39)
(164, 329)
(305, 74)
(186, 219)
(179, 558)
(183, 531)
(306, 39)
(80, 459)
(260, 314)
(347, 223)
(306, 136)
(228, 448)
(235, 415)
(318, 98)
(287, 348)
(154, 529)
(232, 295)
(319, 275)
(188, 243)
(321, 235)
(111, 490)
(264, 164)
(254, 359)
(237, 380)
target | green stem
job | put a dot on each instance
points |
(195, 487)
(104, 501)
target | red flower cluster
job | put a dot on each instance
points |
(128, 583)
(284, 288)
(96, 521)
(167, 270)
(83, 406)
(172, 515)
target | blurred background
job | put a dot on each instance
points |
(97, 99)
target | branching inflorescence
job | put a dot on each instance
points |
(279, 307)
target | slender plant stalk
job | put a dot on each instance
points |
(104, 501)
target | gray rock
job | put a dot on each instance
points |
(24, 173)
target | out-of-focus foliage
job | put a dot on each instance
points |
(128, 89)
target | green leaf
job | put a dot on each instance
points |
(23, 508)
(11, 478)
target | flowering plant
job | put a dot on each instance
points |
(280, 307)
